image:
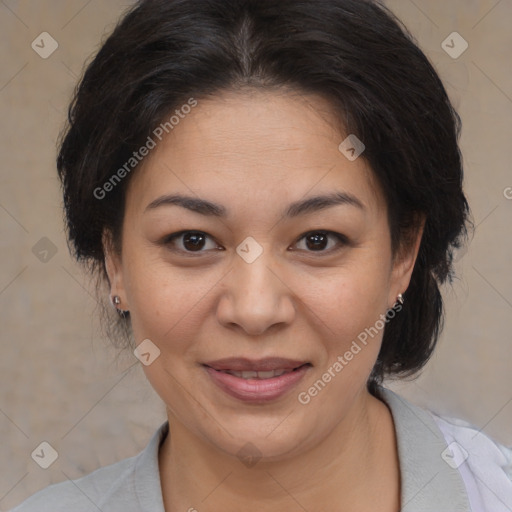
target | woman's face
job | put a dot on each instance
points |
(268, 276)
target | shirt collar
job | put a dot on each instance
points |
(147, 474)
(428, 483)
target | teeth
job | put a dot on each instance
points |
(257, 375)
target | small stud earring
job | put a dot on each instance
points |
(400, 298)
(116, 301)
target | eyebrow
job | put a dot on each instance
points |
(302, 207)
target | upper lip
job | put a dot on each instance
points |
(240, 364)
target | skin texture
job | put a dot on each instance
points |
(255, 153)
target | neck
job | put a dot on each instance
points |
(355, 466)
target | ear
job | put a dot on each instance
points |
(114, 270)
(404, 261)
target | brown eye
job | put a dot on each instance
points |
(318, 241)
(190, 241)
(193, 241)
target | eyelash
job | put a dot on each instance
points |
(341, 239)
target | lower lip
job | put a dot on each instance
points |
(257, 390)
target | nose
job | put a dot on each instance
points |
(255, 297)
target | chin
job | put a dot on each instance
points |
(268, 438)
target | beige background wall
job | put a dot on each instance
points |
(59, 380)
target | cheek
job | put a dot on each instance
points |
(168, 304)
(346, 300)
(350, 310)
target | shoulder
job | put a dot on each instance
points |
(484, 463)
(130, 485)
(84, 494)
(475, 448)
(447, 461)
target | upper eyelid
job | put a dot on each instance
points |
(173, 236)
(340, 237)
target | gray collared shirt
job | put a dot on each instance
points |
(428, 483)
(444, 467)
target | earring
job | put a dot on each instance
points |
(116, 300)
(400, 298)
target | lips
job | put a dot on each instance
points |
(250, 374)
(240, 364)
(256, 381)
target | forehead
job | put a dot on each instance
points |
(251, 145)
